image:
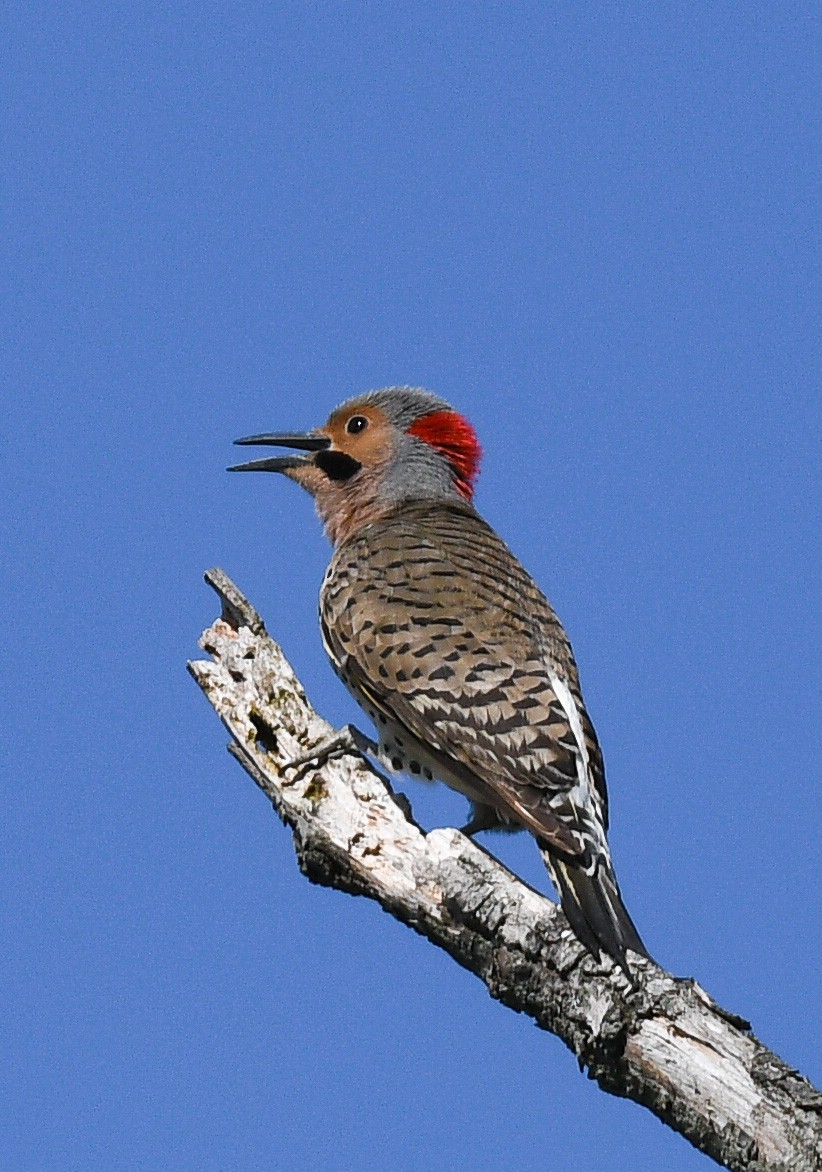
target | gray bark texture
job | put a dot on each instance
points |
(666, 1045)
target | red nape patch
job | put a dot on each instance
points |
(454, 437)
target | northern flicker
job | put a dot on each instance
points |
(449, 645)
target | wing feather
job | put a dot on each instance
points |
(453, 640)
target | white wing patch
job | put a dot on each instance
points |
(569, 707)
(583, 797)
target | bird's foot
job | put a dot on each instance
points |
(484, 818)
(348, 739)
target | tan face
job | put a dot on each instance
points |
(363, 433)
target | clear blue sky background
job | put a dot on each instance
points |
(595, 229)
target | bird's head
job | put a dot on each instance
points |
(376, 453)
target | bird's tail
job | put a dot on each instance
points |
(594, 908)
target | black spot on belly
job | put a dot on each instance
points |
(428, 775)
(414, 767)
(396, 764)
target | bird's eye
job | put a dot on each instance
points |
(356, 424)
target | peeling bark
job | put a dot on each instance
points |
(666, 1045)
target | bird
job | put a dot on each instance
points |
(447, 643)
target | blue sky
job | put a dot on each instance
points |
(594, 229)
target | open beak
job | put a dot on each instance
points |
(303, 443)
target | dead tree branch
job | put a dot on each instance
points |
(667, 1045)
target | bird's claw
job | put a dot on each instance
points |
(348, 739)
(484, 818)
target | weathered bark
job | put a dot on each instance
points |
(667, 1045)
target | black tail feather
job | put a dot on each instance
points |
(594, 909)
